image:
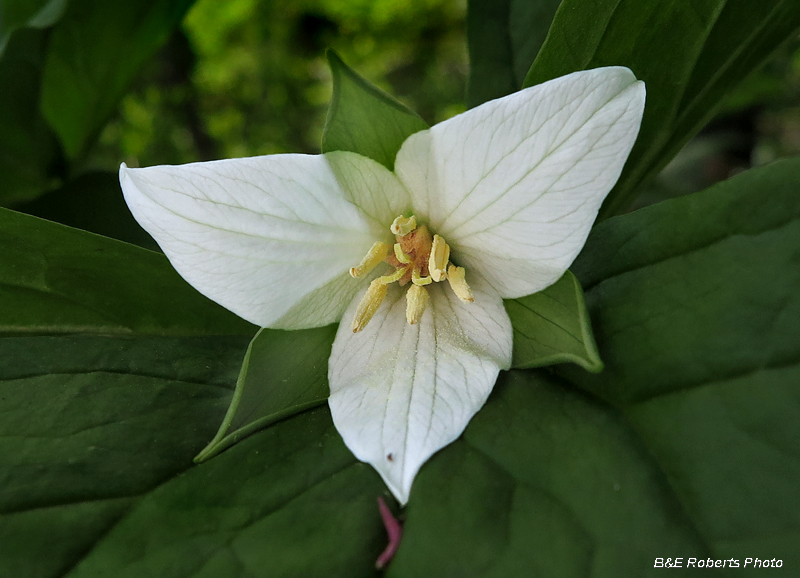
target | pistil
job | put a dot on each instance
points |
(403, 226)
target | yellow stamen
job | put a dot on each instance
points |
(416, 302)
(420, 281)
(414, 252)
(375, 255)
(392, 277)
(398, 253)
(437, 263)
(458, 282)
(369, 304)
(402, 226)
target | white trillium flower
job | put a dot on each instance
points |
(502, 197)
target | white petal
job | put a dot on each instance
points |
(515, 184)
(401, 392)
(270, 238)
(370, 186)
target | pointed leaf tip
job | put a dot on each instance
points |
(364, 119)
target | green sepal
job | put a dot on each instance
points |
(364, 119)
(283, 373)
(553, 326)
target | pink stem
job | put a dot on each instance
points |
(395, 531)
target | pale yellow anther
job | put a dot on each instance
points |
(437, 263)
(375, 255)
(416, 302)
(369, 304)
(416, 279)
(403, 226)
(398, 253)
(456, 277)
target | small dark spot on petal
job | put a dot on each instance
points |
(390, 457)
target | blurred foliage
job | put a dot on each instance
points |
(757, 124)
(249, 77)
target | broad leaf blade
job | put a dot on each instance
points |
(553, 326)
(95, 51)
(283, 373)
(698, 321)
(504, 37)
(365, 120)
(545, 482)
(707, 293)
(730, 449)
(97, 435)
(689, 54)
(289, 501)
(54, 279)
(89, 424)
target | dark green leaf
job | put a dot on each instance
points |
(92, 202)
(90, 424)
(696, 288)
(283, 373)
(96, 478)
(34, 13)
(553, 326)
(289, 501)
(696, 309)
(54, 279)
(28, 147)
(504, 37)
(95, 51)
(690, 55)
(544, 482)
(365, 120)
(97, 432)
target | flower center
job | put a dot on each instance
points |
(416, 257)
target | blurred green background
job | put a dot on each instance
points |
(249, 77)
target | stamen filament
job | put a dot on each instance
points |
(375, 255)
(437, 263)
(398, 253)
(369, 304)
(417, 299)
(420, 281)
(392, 277)
(456, 277)
(403, 226)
